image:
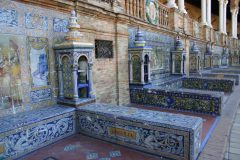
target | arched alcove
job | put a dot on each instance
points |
(83, 82)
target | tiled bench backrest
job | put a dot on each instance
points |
(178, 100)
(31, 130)
(169, 135)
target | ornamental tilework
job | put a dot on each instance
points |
(178, 100)
(162, 46)
(8, 17)
(222, 85)
(137, 129)
(41, 95)
(60, 25)
(36, 21)
(29, 136)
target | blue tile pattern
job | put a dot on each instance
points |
(40, 95)
(178, 100)
(35, 21)
(32, 135)
(92, 156)
(222, 85)
(169, 135)
(29, 117)
(113, 154)
(60, 25)
(8, 17)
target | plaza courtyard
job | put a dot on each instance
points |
(119, 80)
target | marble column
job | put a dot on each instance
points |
(236, 24)
(149, 72)
(60, 82)
(90, 80)
(172, 4)
(130, 71)
(221, 16)
(75, 83)
(225, 16)
(209, 21)
(181, 6)
(204, 11)
(233, 12)
(142, 72)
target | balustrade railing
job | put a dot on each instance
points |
(136, 8)
(163, 15)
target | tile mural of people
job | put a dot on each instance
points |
(10, 72)
(38, 56)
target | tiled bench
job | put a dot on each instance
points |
(179, 99)
(211, 84)
(222, 76)
(30, 130)
(164, 134)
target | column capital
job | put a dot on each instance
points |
(225, 2)
(221, 1)
(172, 4)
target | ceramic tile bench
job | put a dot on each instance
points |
(30, 130)
(222, 76)
(200, 101)
(211, 84)
(169, 135)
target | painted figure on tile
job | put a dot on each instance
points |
(38, 53)
(10, 73)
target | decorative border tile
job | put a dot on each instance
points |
(8, 17)
(60, 25)
(36, 21)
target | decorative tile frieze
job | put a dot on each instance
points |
(8, 17)
(36, 21)
(23, 139)
(40, 95)
(60, 25)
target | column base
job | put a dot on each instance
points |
(183, 11)
(204, 24)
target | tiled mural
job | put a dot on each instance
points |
(10, 71)
(27, 34)
(162, 46)
(36, 21)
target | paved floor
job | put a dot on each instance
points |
(233, 148)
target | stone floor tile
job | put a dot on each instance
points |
(234, 156)
(234, 150)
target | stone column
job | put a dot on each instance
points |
(225, 16)
(209, 13)
(60, 82)
(75, 87)
(221, 16)
(149, 71)
(204, 10)
(181, 6)
(236, 24)
(172, 4)
(90, 80)
(233, 11)
(142, 71)
(130, 72)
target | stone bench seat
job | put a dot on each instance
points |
(169, 135)
(27, 131)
